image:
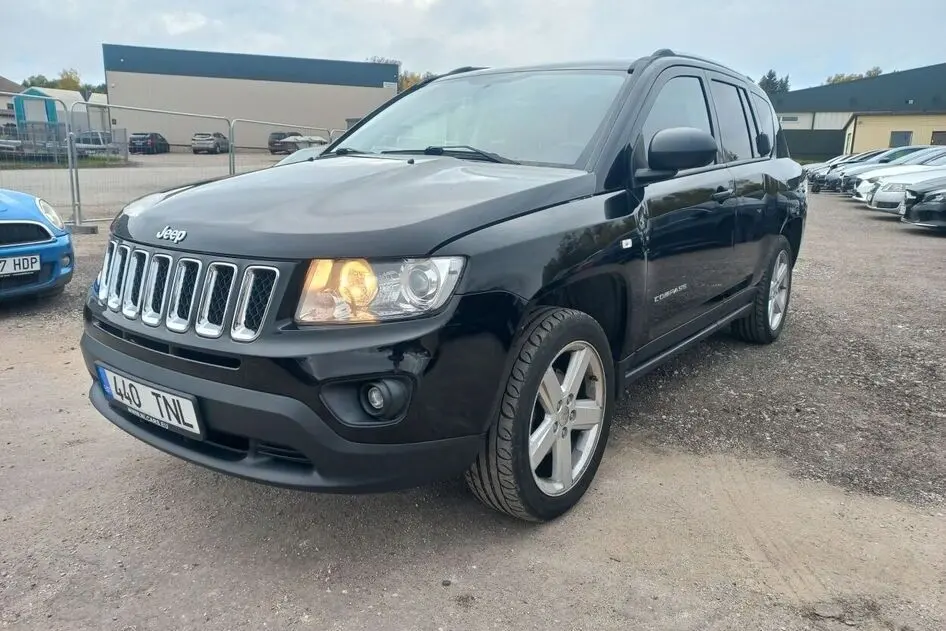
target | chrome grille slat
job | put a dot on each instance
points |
(215, 299)
(184, 286)
(104, 272)
(253, 302)
(131, 294)
(178, 291)
(156, 289)
(116, 277)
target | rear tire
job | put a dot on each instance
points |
(543, 450)
(769, 312)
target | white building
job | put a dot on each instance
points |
(6, 101)
(303, 93)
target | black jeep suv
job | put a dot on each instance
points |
(461, 284)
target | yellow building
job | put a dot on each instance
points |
(864, 132)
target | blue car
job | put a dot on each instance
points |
(36, 255)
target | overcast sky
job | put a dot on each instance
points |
(807, 39)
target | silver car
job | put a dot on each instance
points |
(210, 143)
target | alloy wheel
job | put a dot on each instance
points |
(567, 419)
(778, 291)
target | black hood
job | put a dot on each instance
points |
(347, 206)
(928, 185)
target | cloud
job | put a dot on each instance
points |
(182, 22)
(807, 39)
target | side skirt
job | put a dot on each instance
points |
(632, 373)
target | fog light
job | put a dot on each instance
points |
(385, 398)
(375, 397)
(66, 260)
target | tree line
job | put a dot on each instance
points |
(68, 79)
(774, 84)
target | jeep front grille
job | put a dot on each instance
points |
(179, 292)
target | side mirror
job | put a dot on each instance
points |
(677, 149)
(763, 144)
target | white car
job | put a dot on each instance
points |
(867, 182)
(301, 155)
(890, 189)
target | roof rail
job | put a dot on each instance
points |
(463, 69)
(666, 52)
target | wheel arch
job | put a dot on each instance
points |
(793, 230)
(602, 294)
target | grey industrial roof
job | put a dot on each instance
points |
(908, 91)
(194, 63)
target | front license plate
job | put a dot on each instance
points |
(169, 411)
(17, 265)
(902, 209)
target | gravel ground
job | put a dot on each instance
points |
(797, 486)
(856, 393)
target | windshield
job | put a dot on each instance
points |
(936, 162)
(541, 117)
(916, 157)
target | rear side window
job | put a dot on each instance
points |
(733, 126)
(681, 103)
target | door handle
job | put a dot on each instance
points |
(722, 195)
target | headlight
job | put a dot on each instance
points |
(893, 188)
(357, 290)
(937, 197)
(50, 213)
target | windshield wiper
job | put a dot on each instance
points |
(342, 151)
(441, 150)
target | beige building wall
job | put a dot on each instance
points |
(831, 120)
(873, 131)
(304, 106)
(798, 120)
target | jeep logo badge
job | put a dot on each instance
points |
(172, 235)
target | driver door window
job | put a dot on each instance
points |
(681, 103)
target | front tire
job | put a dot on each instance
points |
(543, 450)
(765, 322)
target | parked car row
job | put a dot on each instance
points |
(906, 181)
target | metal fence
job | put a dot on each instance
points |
(257, 144)
(146, 150)
(34, 155)
(90, 159)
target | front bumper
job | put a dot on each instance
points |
(281, 411)
(864, 192)
(926, 215)
(58, 263)
(886, 201)
(272, 438)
